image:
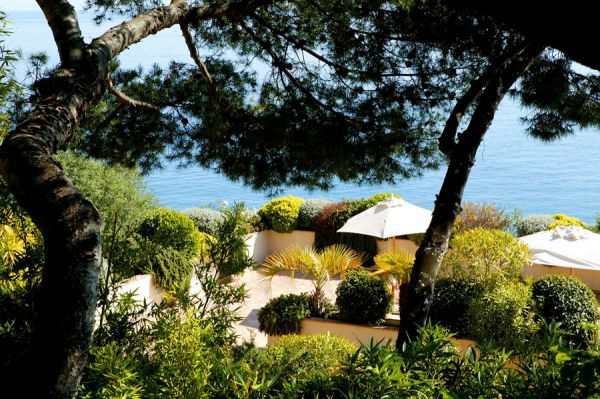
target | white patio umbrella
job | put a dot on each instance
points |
(389, 218)
(571, 247)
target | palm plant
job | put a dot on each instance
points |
(319, 266)
(396, 264)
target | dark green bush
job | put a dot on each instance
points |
(171, 229)
(205, 219)
(282, 315)
(281, 214)
(451, 300)
(567, 300)
(362, 298)
(309, 211)
(171, 269)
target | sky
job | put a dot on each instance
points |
(29, 5)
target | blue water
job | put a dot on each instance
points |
(512, 170)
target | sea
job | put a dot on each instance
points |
(512, 170)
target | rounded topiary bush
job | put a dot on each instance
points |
(362, 298)
(534, 224)
(171, 229)
(451, 299)
(309, 211)
(281, 214)
(567, 300)
(282, 315)
(206, 220)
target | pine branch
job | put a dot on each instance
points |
(125, 99)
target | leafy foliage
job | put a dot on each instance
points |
(568, 301)
(309, 211)
(281, 214)
(362, 298)
(502, 314)
(171, 229)
(485, 216)
(282, 315)
(306, 360)
(451, 300)
(485, 256)
(319, 266)
(205, 219)
(397, 263)
(172, 269)
(534, 224)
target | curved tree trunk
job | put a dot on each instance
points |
(485, 94)
(70, 224)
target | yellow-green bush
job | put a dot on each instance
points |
(281, 214)
(171, 229)
(304, 357)
(560, 219)
(502, 314)
(482, 255)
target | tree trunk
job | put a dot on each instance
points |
(70, 224)
(448, 202)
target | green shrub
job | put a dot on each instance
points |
(309, 211)
(306, 359)
(362, 298)
(561, 219)
(485, 256)
(567, 300)
(171, 229)
(111, 374)
(534, 224)
(485, 216)
(282, 315)
(205, 219)
(501, 314)
(281, 214)
(171, 269)
(451, 299)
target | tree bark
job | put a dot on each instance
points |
(70, 224)
(461, 155)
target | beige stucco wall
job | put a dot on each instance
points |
(359, 333)
(590, 277)
(268, 242)
(143, 287)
